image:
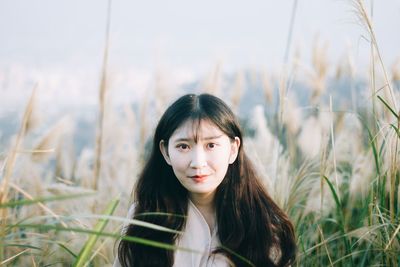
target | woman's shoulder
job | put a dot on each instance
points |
(131, 210)
(129, 216)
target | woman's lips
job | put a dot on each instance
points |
(199, 178)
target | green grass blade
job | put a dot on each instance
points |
(372, 143)
(396, 129)
(124, 220)
(333, 191)
(21, 246)
(49, 227)
(25, 202)
(387, 105)
(84, 254)
(341, 218)
(67, 249)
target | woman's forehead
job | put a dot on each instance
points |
(197, 129)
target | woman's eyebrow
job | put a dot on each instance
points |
(212, 137)
(205, 138)
(182, 140)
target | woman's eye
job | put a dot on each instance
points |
(211, 145)
(183, 146)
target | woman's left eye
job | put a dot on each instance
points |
(211, 145)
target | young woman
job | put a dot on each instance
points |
(198, 169)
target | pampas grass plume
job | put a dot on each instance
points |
(362, 173)
(310, 137)
(292, 116)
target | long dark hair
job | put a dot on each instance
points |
(249, 222)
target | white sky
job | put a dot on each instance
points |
(58, 44)
(186, 34)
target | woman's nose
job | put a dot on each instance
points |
(198, 159)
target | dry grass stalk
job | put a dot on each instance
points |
(65, 181)
(213, 82)
(333, 148)
(395, 233)
(49, 140)
(372, 81)
(100, 126)
(9, 167)
(394, 151)
(238, 88)
(104, 245)
(290, 33)
(83, 170)
(40, 204)
(131, 123)
(323, 171)
(365, 19)
(160, 92)
(267, 86)
(296, 65)
(102, 94)
(10, 162)
(33, 119)
(292, 118)
(163, 90)
(33, 261)
(346, 66)
(326, 202)
(143, 122)
(282, 94)
(7, 261)
(65, 151)
(65, 156)
(320, 66)
(325, 245)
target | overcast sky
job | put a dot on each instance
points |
(186, 34)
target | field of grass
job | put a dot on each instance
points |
(333, 164)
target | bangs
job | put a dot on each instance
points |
(196, 120)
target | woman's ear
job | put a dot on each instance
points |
(164, 152)
(234, 150)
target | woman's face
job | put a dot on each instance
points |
(200, 166)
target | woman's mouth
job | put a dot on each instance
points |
(199, 178)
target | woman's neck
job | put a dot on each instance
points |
(205, 204)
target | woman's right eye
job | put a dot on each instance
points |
(183, 146)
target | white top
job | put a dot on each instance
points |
(196, 236)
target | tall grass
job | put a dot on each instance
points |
(102, 104)
(9, 165)
(335, 172)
